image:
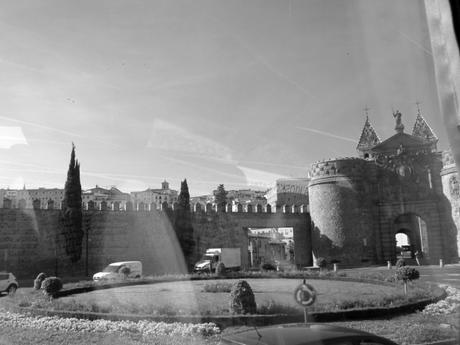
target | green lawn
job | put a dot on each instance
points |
(188, 298)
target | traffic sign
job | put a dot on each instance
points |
(305, 294)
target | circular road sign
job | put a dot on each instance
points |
(305, 295)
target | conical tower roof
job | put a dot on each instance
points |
(423, 131)
(369, 137)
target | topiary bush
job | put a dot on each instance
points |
(321, 262)
(268, 267)
(242, 300)
(39, 280)
(400, 263)
(51, 286)
(407, 274)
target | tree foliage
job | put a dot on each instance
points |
(220, 197)
(71, 213)
(39, 280)
(183, 223)
(51, 286)
(407, 274)
(242, 300)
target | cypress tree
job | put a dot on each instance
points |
(183, 223)
(71, 213)
(220, 197)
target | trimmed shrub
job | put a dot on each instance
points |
(268, 267)
(217, 287)
(51, 286)
(242, 300)
(220, 269)
(39, 280)
(400, 263)
(321, 262)
(406, 274)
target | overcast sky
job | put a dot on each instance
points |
(233, 92)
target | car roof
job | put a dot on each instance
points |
(124, 263)
(297, 334)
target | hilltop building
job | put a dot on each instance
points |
(154, 198)
(265, 248)
(289, 191)
(97, 198)
(101, 198)
(246, 196)
(45, 198)
(202, 200)
(241, 197)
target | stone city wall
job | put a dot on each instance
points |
(29, 237)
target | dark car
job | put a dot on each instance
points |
(8, 283)
(304, 334)
(406, 252)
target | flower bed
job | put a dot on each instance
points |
(146, 328)
(449, 305)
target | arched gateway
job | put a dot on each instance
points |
(413, 230)
(230, 229)
(358, 205)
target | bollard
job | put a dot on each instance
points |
(389, 265)
(335, 267)
(441, 263)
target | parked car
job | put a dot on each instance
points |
(304, 334)
(406, 252)
(8, 283)
(120, 270)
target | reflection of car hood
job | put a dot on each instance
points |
(104, 275)
(202, 264)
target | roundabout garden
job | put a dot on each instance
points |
(200, 307)
(211, 297)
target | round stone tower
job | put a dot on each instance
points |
(451, 189)
(340, 207)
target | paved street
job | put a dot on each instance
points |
(449, 274)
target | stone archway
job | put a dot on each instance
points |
(402, 239)
(415, 228)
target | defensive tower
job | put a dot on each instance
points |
(359, 205)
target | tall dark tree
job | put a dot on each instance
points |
(220, 197)
(71, 213)
(183, 223)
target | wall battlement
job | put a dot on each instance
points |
(32, 238)
(195, 208)
(351, 167)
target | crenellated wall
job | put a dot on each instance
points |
(29, 238)
(348, 166)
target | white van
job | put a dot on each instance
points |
(115, 271)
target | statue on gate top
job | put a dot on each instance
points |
(399, 126)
